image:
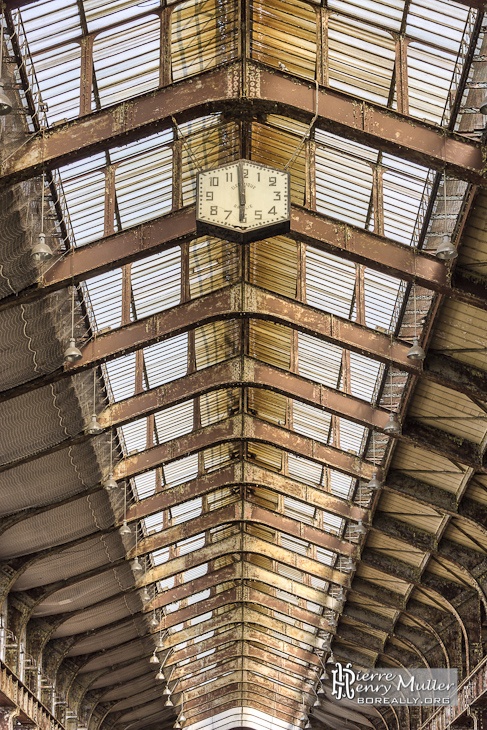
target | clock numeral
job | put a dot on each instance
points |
(213, 210)
(273, 210)
(229, 176)
(209, 195)
(214, 181)
(228, 214)
(258, 215)
(246, 173)
(272, 181)
(258, 177)
(277, 194)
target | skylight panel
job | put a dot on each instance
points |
(145, 484)
(118, 78)
(197, 597)
(198, 572)
(299, 510)
(99, 14)
(105, 292)
(199, 619)
(191, 544)
(156, 282)
(318, 360)
(121, 375)
(327, 557)
(340, 484)
(186, 511)
(175, 421)
(311, 422)
(182, 470)
(381, 292)
(330, 282)
(303, 470)
(166, 360)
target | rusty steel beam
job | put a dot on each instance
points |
(245, 614)
(322, 232)
(244, 301)
(247, 300)
(251, 372)
(238, 571)
(214, 90)
(247, 634)
(246, 371)
(244, 472)
(242, 427)
(240, 647)
(248, 544)
(243, 511)
(242, 594)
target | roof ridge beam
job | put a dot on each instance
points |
(244, 300)
(371, 124)
(317, 229)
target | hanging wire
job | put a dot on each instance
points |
(307, 134)
(188, 147)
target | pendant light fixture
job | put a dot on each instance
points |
(110, 483)
(41, 251)
(154, 658)
(374, 483)
(182, 717)
(160, 674)
(145, 595)
(177, 725)
(5, 103)
(392, 427)
(94, 428)
(136, 565)
(125, 529)
(416, 352)
(331, 658)
(446, 251)
(72, 353)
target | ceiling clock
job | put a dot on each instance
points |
(243, 202)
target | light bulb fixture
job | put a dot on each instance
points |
(416, 352)
(331, 659)
(72, 353)
(154, 658)
(125, 529)
(41, 251)
(321, 690)
(316, 703)
(160, 674)
(136, 566)
(110, 483)
(375, 483)
(347, 565)
(145, 595)
(182, 717)
(166, 691)
(359, 528)
(5, 103)
(308, 725)
(154, 622)
(392, 427)
(94, 428)
(168, 703)
(177, 725)
(446, 251)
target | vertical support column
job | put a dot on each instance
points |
(360, 294)
(86, 75)
(126, 293)
(177, 183)
(378, 199)
(310, 179)
(402, 74)
(165, 60)
(109, 218)
(243, 41)
(322, 74)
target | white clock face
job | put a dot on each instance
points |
(243, 197)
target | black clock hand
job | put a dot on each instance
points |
(241, 192)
